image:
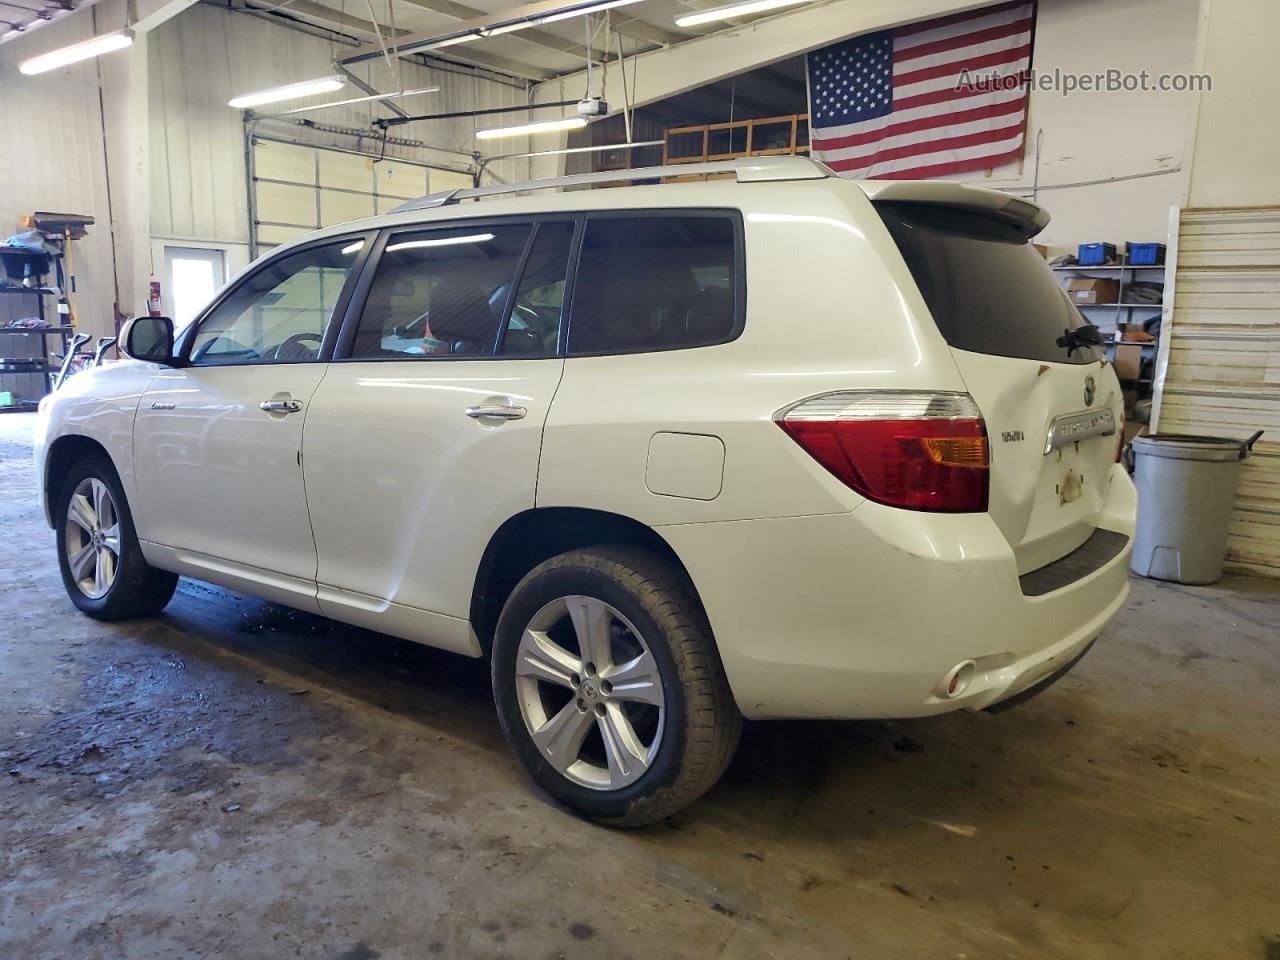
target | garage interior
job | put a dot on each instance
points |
(233, 778)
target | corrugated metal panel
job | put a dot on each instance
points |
(52, 158)
(1221, 366)
(206, 55)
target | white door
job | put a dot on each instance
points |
(217, 443)
(424, 437)
(192, 275)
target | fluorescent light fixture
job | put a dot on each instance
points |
(540, 126)
(736, 10)
(290, 91)
(439, 242)
(453, 41)
(84, 50)
(347, 103)
(352, 247)
(499, 28)
(594, 8)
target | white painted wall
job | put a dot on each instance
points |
(1133, 142)
(1237, 127)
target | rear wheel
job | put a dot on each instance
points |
(609, 687)
(102, 565)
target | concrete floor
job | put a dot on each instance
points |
(234, 779)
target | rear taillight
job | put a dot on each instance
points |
(921, 451)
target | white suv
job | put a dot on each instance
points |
(772, 445)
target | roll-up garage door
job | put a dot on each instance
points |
(297, 189)
(1219, 363)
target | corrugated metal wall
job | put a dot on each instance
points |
(206, 55)
(1221, 359)
(52, 158)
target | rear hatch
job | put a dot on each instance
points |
(1052, 411)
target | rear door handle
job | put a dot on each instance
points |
(498, 411)
(280, 406)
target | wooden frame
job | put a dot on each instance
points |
(749, 127)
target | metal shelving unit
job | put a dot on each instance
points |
(1127, 274)
(40, 362)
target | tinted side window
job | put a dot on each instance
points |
(440, 292)
(655, 283)
(534, 325)
(279, 314)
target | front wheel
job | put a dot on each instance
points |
(102, 565)
(609, 687)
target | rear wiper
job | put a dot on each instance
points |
(1083, 336)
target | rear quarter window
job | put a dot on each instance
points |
(988, 289)
(657, 282)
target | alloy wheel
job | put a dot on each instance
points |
(590, 692)
(93, 538)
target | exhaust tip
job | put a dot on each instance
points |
(956, 680)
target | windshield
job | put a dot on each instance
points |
(989, 290)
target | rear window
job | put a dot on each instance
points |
(655, 282)
(989, 290)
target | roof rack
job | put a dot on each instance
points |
(746, 169)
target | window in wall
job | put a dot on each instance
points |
(192, 276)
(440, 292)
(655, 283)
(534, 325)
(279, 313)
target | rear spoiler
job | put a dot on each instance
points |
(1028, 217)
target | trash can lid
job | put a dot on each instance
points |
(1184, 446)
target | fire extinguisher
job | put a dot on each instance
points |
(153, 300)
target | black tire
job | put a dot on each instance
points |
(701, 723)
(138, 589)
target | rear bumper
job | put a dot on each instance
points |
(863, 614)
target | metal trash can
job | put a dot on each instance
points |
(1186, 489)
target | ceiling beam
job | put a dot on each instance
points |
(475, 58)
(476, 27)
(647, 33)
(696, 62)
(359, 84)
(310, 8)
(545, 38)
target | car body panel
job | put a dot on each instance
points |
(98, 404)
(862, 615)
(222, 477)
(405, 488)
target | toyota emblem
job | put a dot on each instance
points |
(1090, 390)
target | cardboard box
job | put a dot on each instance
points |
(1128, 360)
(1093, 290)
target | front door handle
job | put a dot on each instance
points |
(498, 411)
(280, 406)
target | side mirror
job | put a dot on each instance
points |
(148, 338)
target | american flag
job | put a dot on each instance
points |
(886, 104)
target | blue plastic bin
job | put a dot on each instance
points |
(1095, 254)
(1145, 254)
